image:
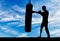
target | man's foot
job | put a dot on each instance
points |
(48, 37)
(39, 37)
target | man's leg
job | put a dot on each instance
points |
(47, 31)
(41, 30)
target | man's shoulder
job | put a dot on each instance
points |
(47, 11)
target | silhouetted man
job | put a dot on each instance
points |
(45, 15)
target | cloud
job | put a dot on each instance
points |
(54, 22)
(55, 18)
(17, 8)
(23, 35)
(9, 15)
(55, 33)
(8, 19)
(56, 1)
(36, 20)
(8, 30)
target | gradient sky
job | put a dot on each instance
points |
(12, 18)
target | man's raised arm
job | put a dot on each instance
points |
(39, 12)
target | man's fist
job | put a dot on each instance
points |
(39, 12)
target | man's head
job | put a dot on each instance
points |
(44, 8)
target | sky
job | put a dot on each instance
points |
(12, 18)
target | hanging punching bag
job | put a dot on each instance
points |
(28, 17)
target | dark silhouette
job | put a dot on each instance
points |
(28, 17)
(45, 15)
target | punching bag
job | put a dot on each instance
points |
(28, 17)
